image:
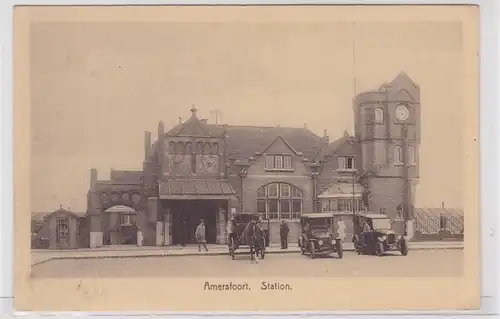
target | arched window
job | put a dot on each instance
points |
(379, 115)
(215, 148)
(171, 147)
(279, 201)
(180, 148)
(189, 148)
(398, 155)
(411, 155)
(199, 148)
(208, 148)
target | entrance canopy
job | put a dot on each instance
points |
(342, 190)
(120, 209)
(196, 189)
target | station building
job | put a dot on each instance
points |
(199, 170)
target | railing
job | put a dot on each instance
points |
(432, 224)
(426, 223)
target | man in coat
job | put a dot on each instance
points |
(184, 233)
(284, 230)
(200, 235)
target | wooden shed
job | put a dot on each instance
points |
(63, 228)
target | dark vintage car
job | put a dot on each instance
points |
(318, 235)
(379, 239)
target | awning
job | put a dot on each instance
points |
(196, 189)
(342, 190)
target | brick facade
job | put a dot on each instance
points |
(238, 155)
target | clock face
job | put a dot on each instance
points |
(208, 164)
(402, 113)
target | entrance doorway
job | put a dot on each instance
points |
(62, 232)
(186, 215)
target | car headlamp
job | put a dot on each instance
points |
(320, 242)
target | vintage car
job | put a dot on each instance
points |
(318, 235)
(379, 238)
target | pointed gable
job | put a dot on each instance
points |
(402, 80)
(279, 145)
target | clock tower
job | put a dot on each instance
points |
(387, 130)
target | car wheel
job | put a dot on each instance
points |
(380, 249)
(312, 251)
(403, 247)
(340, 250)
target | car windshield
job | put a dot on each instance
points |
(383, 223)
(320, 222)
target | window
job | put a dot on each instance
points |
(180, 148)
(189, 148)
(215, 148)
(199, 148)
(398, 155)
(287, 161)
(279, 201)
(273, 211)
(128, 219)
(346, 163)
(269, 161)
(345, 205)
(279, 162)
(285, 190)
(272, 190)
(411, 155)
(285, 206)
(379, 115)
(329, 205)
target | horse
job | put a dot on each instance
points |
(253, 236)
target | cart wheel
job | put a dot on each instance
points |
(312, 251)
(403, 247)
(380, 249)
(340, 250)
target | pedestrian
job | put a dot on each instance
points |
(184, 233)
(284, 230)
(231, 231)
(200, 235)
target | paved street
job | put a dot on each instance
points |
(439, 263)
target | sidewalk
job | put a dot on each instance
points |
(42, 255)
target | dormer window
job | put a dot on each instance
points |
(278, 162)
(379, 115)
(346, 163)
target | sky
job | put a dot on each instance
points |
(96, 87)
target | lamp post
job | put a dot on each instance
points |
(407, 213)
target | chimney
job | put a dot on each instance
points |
(305, 125)
(93, 178)
(147, 144)
(180, 119)
(204, 121)
(161, 129)
(346, 134)
(325, 137)
(442, 204)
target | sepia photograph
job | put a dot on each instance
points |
(233, 152)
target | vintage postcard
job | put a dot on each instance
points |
(244, 158)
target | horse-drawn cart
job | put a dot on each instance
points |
(250, 231)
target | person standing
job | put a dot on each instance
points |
(231, 231)
(284, 230)
(200, 235)
(184, 233)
